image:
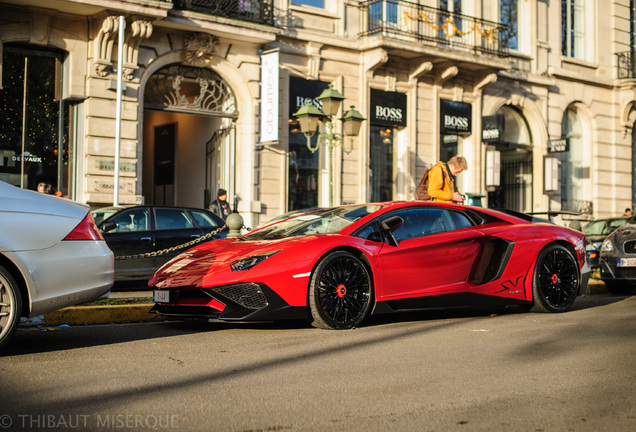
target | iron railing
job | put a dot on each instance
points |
(256, 11)
(403, 19)
(626, 64)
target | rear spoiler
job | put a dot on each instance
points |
(554, 213)
(529, 217)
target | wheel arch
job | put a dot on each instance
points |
(354, 251)
(19, 278)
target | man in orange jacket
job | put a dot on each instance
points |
(441, 182)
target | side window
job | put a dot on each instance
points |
(370, 232)
(459, 220)
(203, 219)
(132, 220)
(168, 218)
(422, 222)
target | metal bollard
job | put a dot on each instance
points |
(234, 222)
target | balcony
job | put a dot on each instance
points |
(436, 27)
(255, 11)
(626, 65)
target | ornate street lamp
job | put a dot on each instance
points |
(308, 116)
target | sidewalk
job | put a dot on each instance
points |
(139, 310)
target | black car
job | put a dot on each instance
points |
(618, 259)
(139, 230)
(595, 232)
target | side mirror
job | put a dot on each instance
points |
(108, 226)
(389, 226)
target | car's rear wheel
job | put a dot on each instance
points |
(340, 292)
(556, 280)
(619, 288)
(10, 306)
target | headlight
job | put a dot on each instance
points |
(607, 246)
(249, 262)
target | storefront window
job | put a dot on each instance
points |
(303, 165)
(33, 129)
(381, 164)
(515, 145)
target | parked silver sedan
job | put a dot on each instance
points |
(51, 256)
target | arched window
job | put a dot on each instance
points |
(573, 169)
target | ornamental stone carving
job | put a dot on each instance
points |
(199, 49)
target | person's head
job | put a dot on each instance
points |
(628, 212)
(457, 164)
(221, 195)
(44, 188)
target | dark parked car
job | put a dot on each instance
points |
(595, 232)
(143, 229)
(618, 259)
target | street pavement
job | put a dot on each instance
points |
(482, 369)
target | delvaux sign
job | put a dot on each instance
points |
(388, 108)
(559, 145)
(455, 117)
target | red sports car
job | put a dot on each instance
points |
(337, 265)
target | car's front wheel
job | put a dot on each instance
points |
(340, 292)
(556, 280)
(10, 306)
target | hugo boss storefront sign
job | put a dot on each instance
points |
(455, 117)
(388, 108)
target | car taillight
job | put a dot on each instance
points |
(85, 230)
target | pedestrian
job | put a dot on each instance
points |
(45, 188)
(628, 212)
(441, 180)
(220, 206)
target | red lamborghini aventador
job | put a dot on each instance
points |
(337, 265)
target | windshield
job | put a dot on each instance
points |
(325, 221)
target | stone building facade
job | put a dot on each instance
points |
(539, 96)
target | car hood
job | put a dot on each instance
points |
(624, 233)
(213, 259)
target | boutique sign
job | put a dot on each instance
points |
(388, 108)
(455, 117)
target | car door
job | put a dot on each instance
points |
(129, 232)
(435, 253)
(174, 227)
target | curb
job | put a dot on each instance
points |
(83, 315)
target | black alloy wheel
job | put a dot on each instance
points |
(556, 280)
(340, 292)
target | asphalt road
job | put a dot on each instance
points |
(469, 370)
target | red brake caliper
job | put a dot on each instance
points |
(341, 290)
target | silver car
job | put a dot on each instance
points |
(51, 256)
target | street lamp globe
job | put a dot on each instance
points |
(331, 100)
(308, 116)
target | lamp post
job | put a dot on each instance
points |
(308, 116)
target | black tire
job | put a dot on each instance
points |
(340, 292)
(556, 280)
(10, 306)
(618, 288)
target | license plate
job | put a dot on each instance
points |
(162, 296)
(627, 262)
